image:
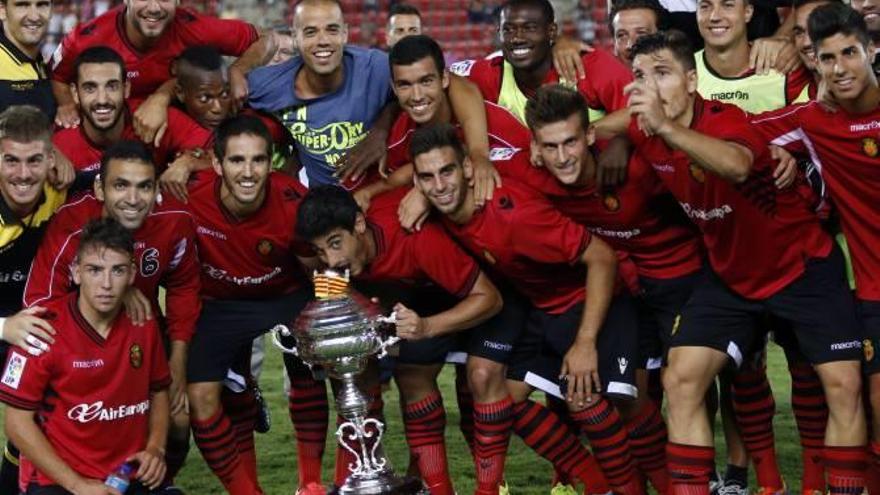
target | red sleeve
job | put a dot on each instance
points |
(606, 78)
(732, 124)
(544, 234)
(64, 56)
(49, 277)
(505, 126)
(795, 82)
(160, 375)
(25, 379)
(782, 127)
(398, 143)
(635, 135)
(229, 36)
(485, 73)
(520, 169)
(183, 284)
(183, 133)
(444, 262)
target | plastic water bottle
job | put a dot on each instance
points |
(121, 477)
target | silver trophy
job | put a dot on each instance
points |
(339, 332)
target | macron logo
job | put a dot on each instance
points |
(868, 126)
(622, 363)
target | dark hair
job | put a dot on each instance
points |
(673, 40)
(543, 5)
(100, 55)
(106, 233)
(660, 13)
(325, 208)
(404, 9)
(25, 124)
(203, 57)
(430, 137)
(836, 18)
(125, 150)
(555, 103)
(236, 126)
(195, 58)
(416, 47)
(800, 3)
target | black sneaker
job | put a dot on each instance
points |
(264, 419)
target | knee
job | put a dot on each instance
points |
(843, 385)
(179, 422)
(484, 377)
(204, 398)
(682, 387)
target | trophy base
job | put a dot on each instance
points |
(382, 484)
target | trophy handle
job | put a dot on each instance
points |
(279, 331)
(390, 341)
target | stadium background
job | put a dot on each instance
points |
(464, 29)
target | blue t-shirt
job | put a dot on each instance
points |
(324, 128)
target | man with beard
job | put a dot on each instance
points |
(149, 35)
(165, 255)
(100, 92)
(24, 77)
(251, 280)
(27, 202)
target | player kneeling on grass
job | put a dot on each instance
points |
(99, 392)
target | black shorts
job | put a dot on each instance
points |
(226, 330)
(427, 301)
(659, 302)
(538, 355)
(869, 314)
(496, 338)
(818, 306)
(493, 339)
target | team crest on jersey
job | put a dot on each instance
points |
(14, 370)
(135, 356)
(489, 257)
(697, 173)
(265, 247)
(868, 349)
(611, 202)
(870, 147)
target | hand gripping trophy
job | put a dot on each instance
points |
(339, 332)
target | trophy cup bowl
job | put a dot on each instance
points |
(340, 334)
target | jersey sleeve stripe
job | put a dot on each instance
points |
(49, 296)
(160, 384)
(18, 402)
(469, 283)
